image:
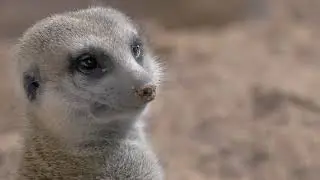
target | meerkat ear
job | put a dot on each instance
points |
(31, 83)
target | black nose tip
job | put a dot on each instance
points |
(147, 93)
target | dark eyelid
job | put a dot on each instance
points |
(102, 57)
(136, 40)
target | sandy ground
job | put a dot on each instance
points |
(238, 103)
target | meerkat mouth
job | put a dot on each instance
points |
(100, 109)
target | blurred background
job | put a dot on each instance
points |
(241, 100)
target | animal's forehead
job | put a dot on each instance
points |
(104, 19)
(77, 25)
(97, 27)
(53, 39)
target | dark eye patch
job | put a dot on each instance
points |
(91, 62)
(137, 49)
(87, 64)
(31, 86)
(31, 83)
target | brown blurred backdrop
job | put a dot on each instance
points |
(241, 100)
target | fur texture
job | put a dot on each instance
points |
(80, 125)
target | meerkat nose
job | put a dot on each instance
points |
(146, 93)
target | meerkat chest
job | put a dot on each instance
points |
(127, 162)
(132, 162)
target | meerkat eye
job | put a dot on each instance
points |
(137, 50)
(87, 64)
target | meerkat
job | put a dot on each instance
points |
(88, 77)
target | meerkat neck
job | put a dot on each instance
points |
(93, 137)
(47, 153)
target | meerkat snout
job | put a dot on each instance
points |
(146, 93)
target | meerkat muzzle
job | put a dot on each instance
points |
(146, 93)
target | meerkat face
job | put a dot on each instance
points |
(92, 61)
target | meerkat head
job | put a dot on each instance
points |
(87, 63)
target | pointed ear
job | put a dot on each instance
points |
(31, 83)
